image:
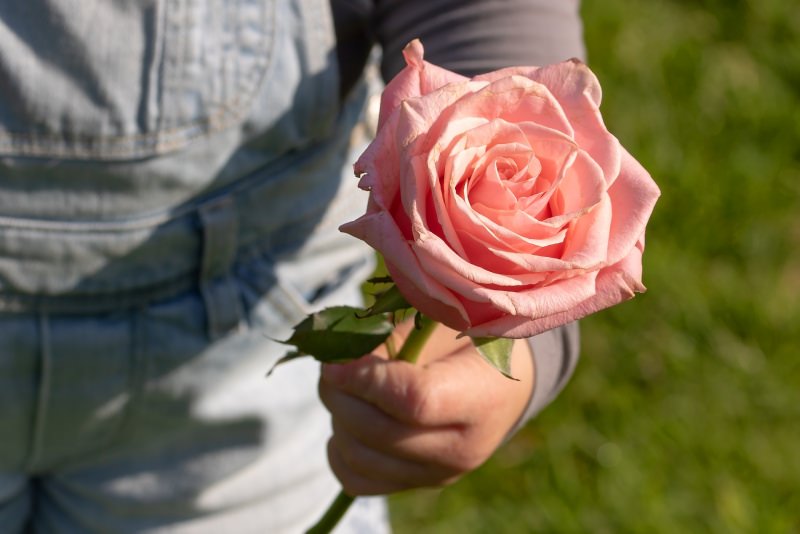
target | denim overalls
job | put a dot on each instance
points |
(172, 176)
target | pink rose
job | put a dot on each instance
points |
(501, 204)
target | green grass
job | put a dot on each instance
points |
(684, 414)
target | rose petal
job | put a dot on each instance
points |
(379, 166)
(530, 267)
(517, 99)
(427, 217)
(614, 284)
(505, 229)
(380, 229)
(539, 301)
(451, 315)
(578, 92)
(492, 189)
(582, 186)
(418, 78)
(426, 116)
(586, 245)
(447, 267)
(509, 298)
(633, 197)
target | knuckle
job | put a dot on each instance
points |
(464, 458)
(353, 486)
(424, 401)
(345, 448)
(351, 483)
(465, 463)
(372, 378)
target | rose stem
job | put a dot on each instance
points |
(416, 340)
(409, 352)
(333, 514)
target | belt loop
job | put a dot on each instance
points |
(220, 294)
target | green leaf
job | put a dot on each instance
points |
(496, 351)
(388, 301)
(337, 334)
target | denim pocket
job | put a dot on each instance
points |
(119, 80)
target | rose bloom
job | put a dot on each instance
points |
(501, 204)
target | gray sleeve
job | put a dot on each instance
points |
(555, 355)
(479, 35)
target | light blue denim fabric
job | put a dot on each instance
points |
(169, 201)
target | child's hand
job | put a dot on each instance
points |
(399, 425)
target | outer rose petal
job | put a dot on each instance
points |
(379, 166)
(379, 229)
(418, 78)
(633, 197)
(614, 284)
(418, 116)
(453, 315)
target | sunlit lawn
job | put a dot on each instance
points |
(684, 414)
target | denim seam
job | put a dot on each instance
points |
(42, 401)
(92, 302)
(247, 186)
(328, 96)
(136, 376)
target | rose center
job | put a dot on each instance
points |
(507, 169)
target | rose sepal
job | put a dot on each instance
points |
(388, 301)
(338, 334)
(496, 351)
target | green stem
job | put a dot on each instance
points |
(332, 516)
(416, 340)
(409, 352)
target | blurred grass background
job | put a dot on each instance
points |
(684, 413)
